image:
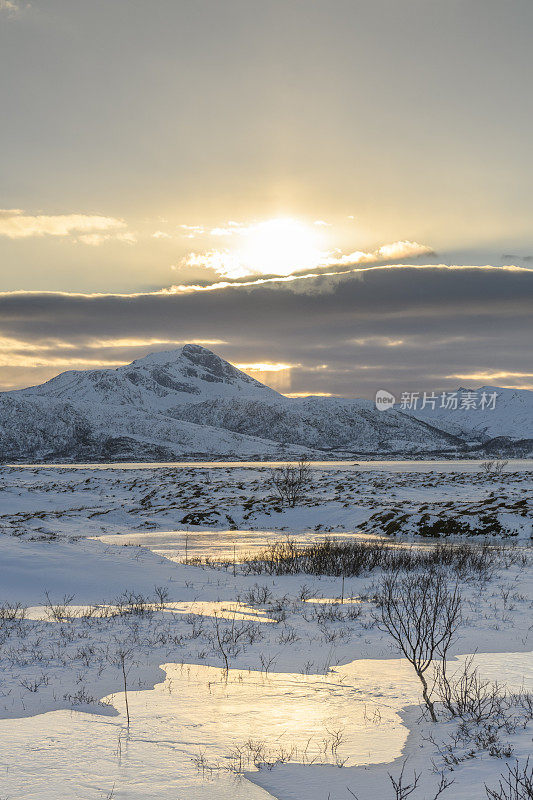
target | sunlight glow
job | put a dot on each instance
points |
(280, 247)
(273, 247)
(264, 367)
(277, 376)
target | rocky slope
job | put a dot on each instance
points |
(328, 424)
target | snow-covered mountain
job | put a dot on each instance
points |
(321, 423)
(484, 413)
(190, 402)
(128, 412)
(156, 383)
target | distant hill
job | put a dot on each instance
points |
(511, 414)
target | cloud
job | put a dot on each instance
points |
(91, 229)
(402, 249)
(275, 246)
(126, 236)
(223, 231)
(10, 7)
(280, 247)
(52, 352)
(397, 327)
(192, 231)
(222, 262)
(492, 376)
(300, 282)
(396, 251)
(287, 247)
(278, 376)
(230, 228)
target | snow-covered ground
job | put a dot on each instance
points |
(52, 501)
(314, 684)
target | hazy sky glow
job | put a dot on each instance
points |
(197, 170)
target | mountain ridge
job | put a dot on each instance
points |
(190, 402)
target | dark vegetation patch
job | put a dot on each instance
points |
(337, 558)
(448, 519)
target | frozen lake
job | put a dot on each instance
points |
(197, 710)
(514, 465)
(224, 545)
(217, 545)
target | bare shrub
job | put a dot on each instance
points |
(484, 711)
(288, 635)
(162, 596)
(353, 558)
(516, 784)
(221, 644)
(33, 685)
(422, 615)
(484, 707)
(493, 468)
(258, 754)
(12, 613)
(403, 789)
(291, 482)
(464, 694)
(59, 612)
(131, 603)
(122, 655)
(257, 595)
(233, 638)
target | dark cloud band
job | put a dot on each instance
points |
(376, 327)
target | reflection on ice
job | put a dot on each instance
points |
(223, 609)
(408, 465)
(217, 545)
(195, 711)
(334, 601)
(230, 545)
(200, 712)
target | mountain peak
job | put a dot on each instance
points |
(193, 361)
(190, 351)
(159, 381)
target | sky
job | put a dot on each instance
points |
(335, 196)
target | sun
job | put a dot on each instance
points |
(280, 247)
(277, 247)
